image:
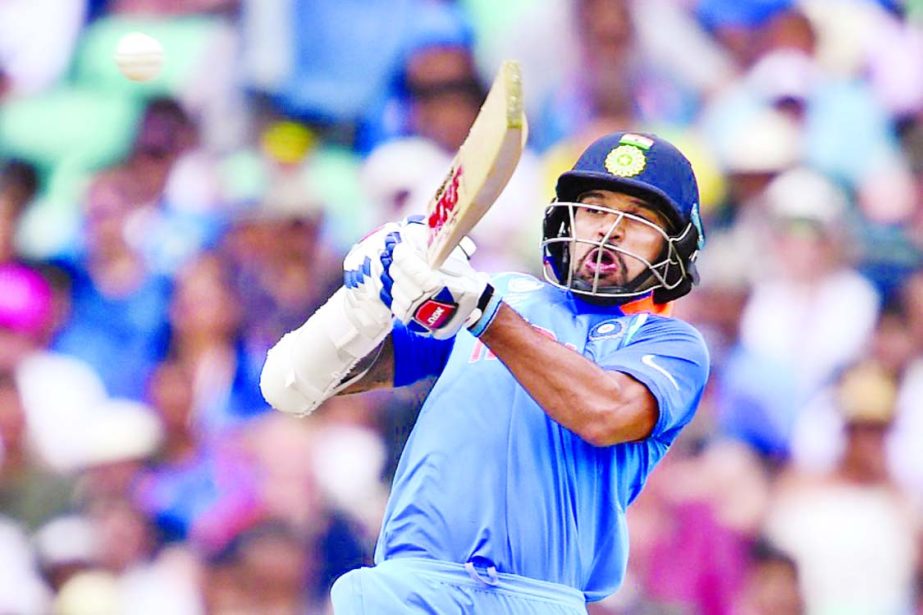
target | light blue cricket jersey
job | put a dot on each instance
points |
(487, 474)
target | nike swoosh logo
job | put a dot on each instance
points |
(648, 360)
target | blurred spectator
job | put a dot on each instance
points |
(905, 452)
(740, 27)
(33, 448)
(204, 498)
(206, 341)
(852, 532)
(809, 309)
(444, 93)
(116, 321)
(37, 38)
(87, 593)
(166, 132)
(302, 468)
(613, 86)
(29, 492)
(170, 583)
(790, 80)
(401, 175)
(170, 394)
(351, 481)
(772, 584)
(819, 438)
(125, 537)
(118, 439)
(882, 52)
(663, 26)
(692, 530)
(53, 418)
(338, 80)
(198, 489)
(18, 185)
(281, 264)
(889, 227)
(171, 7)
(26, 312)
(750, 394)
(760, 149)
(177, 188)
(21, 587)
(267, 569)
(522, 29)
(65, 546)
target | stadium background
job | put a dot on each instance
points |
(156, 238)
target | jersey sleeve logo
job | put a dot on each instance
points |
(648, 360)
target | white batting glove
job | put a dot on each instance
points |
(362, 269)
(437, 302)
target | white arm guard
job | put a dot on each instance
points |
(309, 364)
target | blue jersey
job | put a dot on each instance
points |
(487, 475)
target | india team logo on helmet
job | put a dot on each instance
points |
(628, 159)
(647, 167)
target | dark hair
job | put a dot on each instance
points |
(21, 178)
(763, 551)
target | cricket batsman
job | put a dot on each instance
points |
(553, 399)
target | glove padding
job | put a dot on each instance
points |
(362, 273)
(437, 302)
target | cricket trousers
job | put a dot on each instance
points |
(415, 585)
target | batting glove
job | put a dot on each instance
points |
(362, 272)
(437, 302)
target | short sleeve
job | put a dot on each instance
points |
(670, 358)
(417, 356)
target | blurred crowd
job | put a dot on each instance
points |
(157, 238)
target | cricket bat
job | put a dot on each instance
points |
(481, 168)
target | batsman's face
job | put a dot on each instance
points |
(616, 233)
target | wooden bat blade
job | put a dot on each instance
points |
(482, 167)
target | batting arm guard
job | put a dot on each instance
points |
(317, 360)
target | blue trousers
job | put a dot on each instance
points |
(414, 585)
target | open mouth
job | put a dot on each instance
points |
(603, 262)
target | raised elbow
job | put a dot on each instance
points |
(599, 436)
(278, 383)
(616, 425)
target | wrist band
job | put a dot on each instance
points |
(489, 304)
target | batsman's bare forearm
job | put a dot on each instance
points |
(602, 407)
(380, 370)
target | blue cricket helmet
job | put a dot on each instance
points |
(648, 167)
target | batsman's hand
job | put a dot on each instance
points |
(437, 302)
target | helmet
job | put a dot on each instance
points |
(647, 167)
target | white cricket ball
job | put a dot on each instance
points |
(139, 56)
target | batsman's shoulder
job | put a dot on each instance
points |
(672, 324)
(652, 328)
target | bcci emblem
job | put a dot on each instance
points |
(626, 161)
(606, 330)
